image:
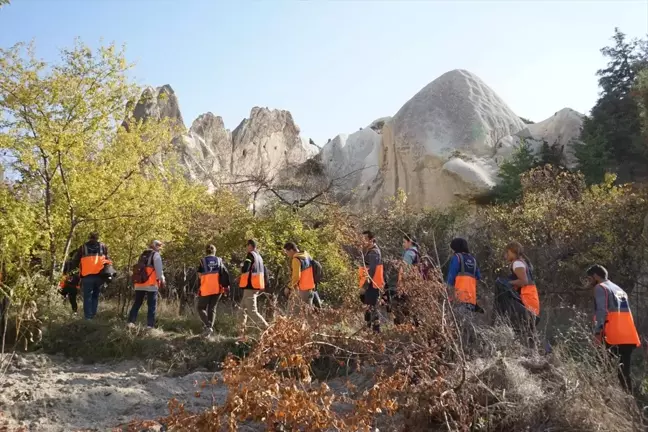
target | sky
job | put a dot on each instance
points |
(339, 65)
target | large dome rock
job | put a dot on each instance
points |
(441, 143)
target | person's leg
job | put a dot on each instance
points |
(151, 299)
(72, 297)
(254, 310)
(203, 304)
(625, 357)
(372, 297)
(96, 290)
(317, 301)
(87, 286)
(139, 299)
(211, 310)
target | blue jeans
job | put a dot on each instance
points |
(151, 300)
(91, 286)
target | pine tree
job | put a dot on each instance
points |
(509, 187)
(612, 138)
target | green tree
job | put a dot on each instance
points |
(62, 125)
(509, 187)
(614, 129)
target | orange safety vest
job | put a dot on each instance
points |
(254, 277)
(466, 282)
(210, 277)
(529, 292)
(378, 279)
(92, 262)
(619, 327)
(306, 279)
(150, 271)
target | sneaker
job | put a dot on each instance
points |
(131, 325)
(208, 332)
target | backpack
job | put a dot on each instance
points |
(140, 272)
(318, 272)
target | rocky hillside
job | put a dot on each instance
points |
(444, 144)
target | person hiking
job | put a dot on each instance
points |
(463, 275)
(90, 260)
(253, 281)
(396, 299)
(148, 278)
(302, 278)
(214, 283)
(371, 279)
(614, 324)
(521, 278)
(69, 286)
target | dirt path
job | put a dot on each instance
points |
(49, 393)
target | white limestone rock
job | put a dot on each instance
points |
(441, 143)
(559, 132)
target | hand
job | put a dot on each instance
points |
(161, 284)
(287, 292)
(226, 291)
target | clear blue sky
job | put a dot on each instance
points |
(338, 65)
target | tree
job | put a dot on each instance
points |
(612, 137)
(509, 187)
(61, 126)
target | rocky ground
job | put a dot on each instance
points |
(50, 394)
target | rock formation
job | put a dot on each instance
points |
(262, 145)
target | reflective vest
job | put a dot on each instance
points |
(254, 277)
(466, 280)
(150, 270)
(306, 279)
(92, 259)
(68, 280)
(529, 292)
(210, 276)
(619, 327)
(378, 279)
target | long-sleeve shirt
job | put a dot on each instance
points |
(247, 264)
(296, 265)
(93, 247)
(600, 308)
(455, 268)
(372, 259)
(410, 256)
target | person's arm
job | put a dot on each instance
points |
(157, 263)
(374, 260)
(477, 274)
(266, 277)
(247, 264)
(600, 300)
(201, 269)
(521, 274)
(106, 251)
(453, 270)
(76, 261)
(296, 272)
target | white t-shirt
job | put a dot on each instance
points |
(519, 264)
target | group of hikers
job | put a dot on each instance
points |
(91, 266)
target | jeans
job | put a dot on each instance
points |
(91, 286)
(151, 300)
(207, 309)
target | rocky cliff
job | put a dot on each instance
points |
(263, 145)
(444, 144)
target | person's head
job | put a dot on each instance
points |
(597, 274)
(409, 242)
(210, 249)
(459, 245)
(156, 245)
(368, 238)
(514, 251)
(94, 236)
(290, 249)
(251, 245)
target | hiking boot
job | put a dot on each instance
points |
(208, 332)
(131, 325)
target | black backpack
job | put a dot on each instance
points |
(140, 273)
(318, 272)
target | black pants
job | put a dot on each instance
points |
(71, 294)
(371, 298)
(623, 354)
(207, 309)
